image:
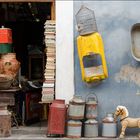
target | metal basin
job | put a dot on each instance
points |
(135, 38)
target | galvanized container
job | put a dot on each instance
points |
(57, 116)
(109, 126)
(91, 128)
(74, 128)
(76, 108)
(5, 121)
(86, 22)
(91, 106)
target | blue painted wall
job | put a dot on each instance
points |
(114, 21)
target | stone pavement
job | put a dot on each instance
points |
(38, 132)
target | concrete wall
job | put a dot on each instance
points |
(64, 50)
(114, 20)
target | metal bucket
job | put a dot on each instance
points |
(135, 39)
(76, 108)
(91, 106)
(74, 129)
(86, 21)
(91, 128)
(109, 126)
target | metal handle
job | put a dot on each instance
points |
(91, 95)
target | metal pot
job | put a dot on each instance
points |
(109, 126)
(91, 128)
(74, 129)
(91, 106)
(76, 108)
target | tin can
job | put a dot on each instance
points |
(5, 35)
(109, 126)
(74, 128)
(91, 106)
(57, 116)
(76, 108)
(91, 128)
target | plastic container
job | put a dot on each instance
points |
(6, 48)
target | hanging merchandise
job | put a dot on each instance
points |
(92, 57)
(86, 22)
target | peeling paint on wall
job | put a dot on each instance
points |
(128, 73)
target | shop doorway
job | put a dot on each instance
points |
(27, 23)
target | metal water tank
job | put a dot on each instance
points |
(57, 116)
(74, 128)
(109, 126)
(76, 108)
(86, 22)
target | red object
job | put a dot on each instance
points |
(33, 108)
(5, 35)
(57, 116)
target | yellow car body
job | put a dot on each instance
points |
(91, 48)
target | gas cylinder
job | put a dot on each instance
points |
(91, 128)
(109, 126)
(76, 108)
(5, 121)
(91, 106)
(57, 116)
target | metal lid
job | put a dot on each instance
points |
(109, 118)
(77, 99)
(74, 122)
(91, 102)
(91, 121)
(3, 28)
